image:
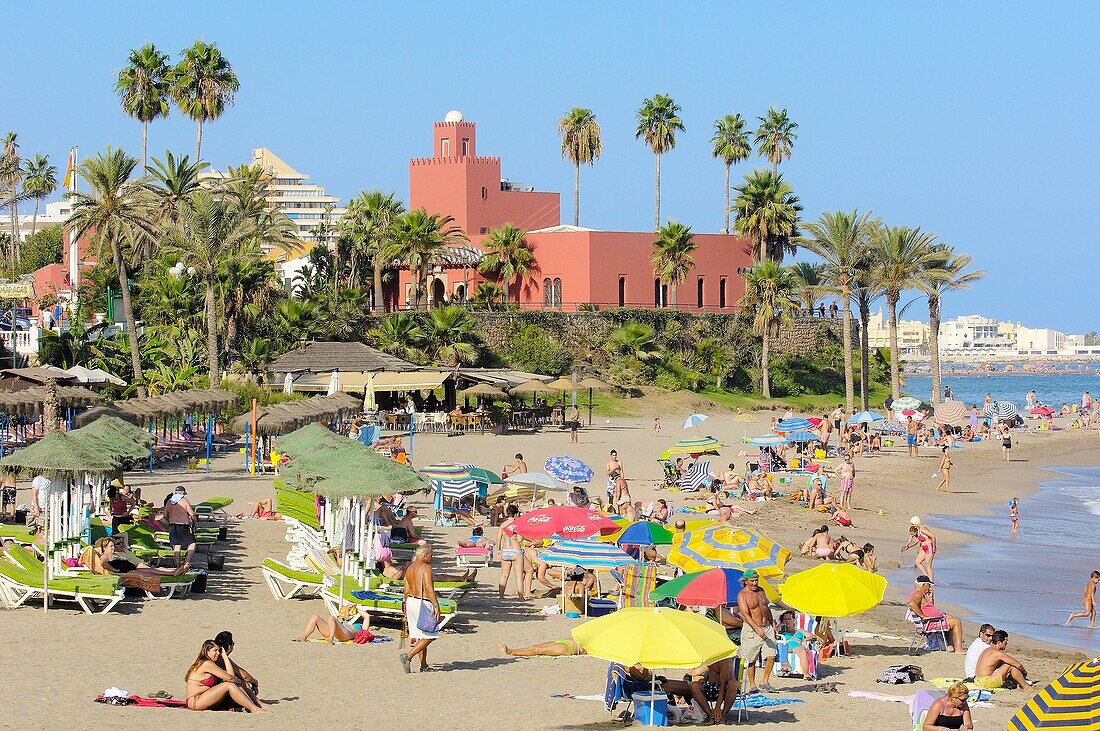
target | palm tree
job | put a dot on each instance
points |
(672, 255)
(144, 86)
(731, 143)
(775, 136)
(508, 256)
(40, 182)
(422, 237)
(248, 287)
(866, 290)
(841, 239)
(488, 294)
(203, 82)
(582, 144)
(811, 284)
(451, 336)
(637, 341)
(947, 274)
(398, 334)
(172, 183)
(658, 122)
(901, 254)
(114, 214)
(766, 210)
(771, 289)
(12, 177)
(369, 223)
(210, 230)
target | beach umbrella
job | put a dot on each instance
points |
(905, 402)
(333, 383)
(567, 521)
(482, 475)
(865, 417)
(594, 384)
(446, 471)
(1042, 411)
(768, 440)
(902, 417)
(288, 383)
(815, 420)
(802, 436)
(711, 588)
(655, 637)
(568, 469)
(833, 590)
(795, 424)
(951, 412)
(565, 383)
(1002, 411)
(586, 554)
(724, 546)
(520, 493)
(643, 533)
(533, 386)
(533, 479)
(694, 421)
(695, 445)
(484, 389)
(1070, 701)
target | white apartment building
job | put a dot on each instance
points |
(52, 214)
(913, 335)
(1039, 341)
(974, 334)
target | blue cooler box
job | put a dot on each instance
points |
(651, 709)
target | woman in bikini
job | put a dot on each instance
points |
(919, 535)
(945, 472)
(209, 686)
(510, 554)
(556, 648)
(333, 629)
(1014, 513)
(819, 544)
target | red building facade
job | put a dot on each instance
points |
(576, 266)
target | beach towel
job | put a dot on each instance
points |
(139, 701)
(764, 701)
(140, 581)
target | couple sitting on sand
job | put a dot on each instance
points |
(216, 683)
(989, 666)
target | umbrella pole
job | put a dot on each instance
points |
(652, 692)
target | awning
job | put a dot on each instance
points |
(413, 381)
(319, 382)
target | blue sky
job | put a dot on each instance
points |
(975, 121)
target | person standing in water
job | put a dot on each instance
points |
(1089, 601)
(1014, 513)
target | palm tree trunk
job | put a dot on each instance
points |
(379, 305)
(766, 385)
(198, 150)
(145, 154)
(231, 328)
(657, 217)
(128, 316)
(673, 294)
(212, 333)
(864, 354)
(576, 194)
(895, 366)
(934, 344)
(727, 211)
(34, 218)
(846, 327)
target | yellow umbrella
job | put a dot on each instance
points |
(833, 590)
(655, 637)
(1067, 702)
(732, 547)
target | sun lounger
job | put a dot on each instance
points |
(286, 582)
(474, 556)
(17, 533)
(446, 589)
(376, 603)
(19, 583)
(213, 509)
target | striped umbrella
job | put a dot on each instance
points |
(587, 554)
(795, 424)
(902, 417)
(802, 436)
(696, 445)
(768, 440)
(866, 417)
(696, 476)
(568, 469)
(951, 412)
(446, 471)
(455, 488)
(905, 402)
(710, 588)
(1070, 701)
(723, 546)
(1002, 411)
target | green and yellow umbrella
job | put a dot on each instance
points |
(833, 590)
(697, 445)
(732, 547)
(1071, 701)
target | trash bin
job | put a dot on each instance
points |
(651, 709)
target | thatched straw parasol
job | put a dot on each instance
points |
(533, 386)
(355, 471)
(62, 454)
(565, 383)
(484, 389)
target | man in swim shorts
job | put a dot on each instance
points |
(911, 428)
(846, 471)
(995, 665)
(758, 633)
(421, 608)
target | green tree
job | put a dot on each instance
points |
(658, 122)
(114, 214)
(69, 348)
(11, 176)
(370, 225)
(775, 136)
(811, 283)
(766, 210)
(45, 247)
(841, 240)
(637, 341)
(399, 334)
(582, 144)
(172, 184)
(771, 291)
(423, 237)
(253, 358)
(489, 294)
(672, 256)
(143, 86)
(508, 256)
(901, 254)
(867, 289)
(451, 336)
(945, 274)
(202, 84)
(40, 182)
(731, 143)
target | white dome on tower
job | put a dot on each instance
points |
(453, 116)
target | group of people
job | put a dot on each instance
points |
(822, 545)
(215, 682)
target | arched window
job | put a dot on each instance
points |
(547, 293)
(460, 293)
(622, 291)
(557, 292)
(699, 294)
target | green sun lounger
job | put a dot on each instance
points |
(375, 607)
(17, 533)
(448, 589)
(286, 582)
(19, 584)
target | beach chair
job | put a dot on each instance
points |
(671, 474)
(619, 688)
(636, 581)
(453, 590)
(286, 582)
(171, 586)
(930, 634)
(20, 582)
(474, 556)
(371, 603)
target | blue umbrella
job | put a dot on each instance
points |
(802, 436)
(568, 469)
(795, 424)
(767, 440)
(865, 417)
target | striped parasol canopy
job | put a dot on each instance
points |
(587, 554)
(905, 402)
(802, 435)
(697, 476)
(446, 471)
(723, 546)
(866, 417)
(795, 424)
(710, 588)
(952, 412)
(1070, 701)
(768, 440)
(695, 445)
(568, 469)
(1002, 411)
(455, 488)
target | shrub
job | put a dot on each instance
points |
(532, 350)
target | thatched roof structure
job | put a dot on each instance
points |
(117, 437)
(140, 411)
(60, 453)
(325, 357)
(32, 400)
(286, 417)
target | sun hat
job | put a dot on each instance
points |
(915, 520)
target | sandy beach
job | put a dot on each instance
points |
(58, 663)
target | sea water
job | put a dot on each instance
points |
(1053, 389)
(1028, 583)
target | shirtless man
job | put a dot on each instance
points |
(420, 600)
(825, 431)
(994, 665)
(911, 429)
(181, 519)
(518, 467)
(846, 471)
(1089, 601)
(712, 686)
(614, 470)
(758, 632)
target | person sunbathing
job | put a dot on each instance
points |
(476, 539)
(210, 687)
(333, 629)
(554, 648)
(728, 512)
(105, 558)
(796, 641)
(819, 544)
(263, 509)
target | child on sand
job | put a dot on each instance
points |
(656, 426)
(1089, 601)
(1014, 513)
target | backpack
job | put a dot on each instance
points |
(901, 674)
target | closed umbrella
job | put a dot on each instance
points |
(334, 383)
(1070, 701)
(795, 424)
(833, 590)
(711, 588)
(288, 383)
(568, 469)
(724, 546)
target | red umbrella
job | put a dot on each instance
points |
(566, 521)
(815, 420)
(1042, 411)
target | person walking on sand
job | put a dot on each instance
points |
(945, 472)
(1014, 513)
(758, 632)
(421, 608)
(911, 428)
(846, 471)
(574, 421)
(1089, 601)
(920, 536)
(656, 426)
(1006, 443)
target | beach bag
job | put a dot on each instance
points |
(427, 621)
(363, 637)
(901, 674)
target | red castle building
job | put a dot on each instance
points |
(575, 265)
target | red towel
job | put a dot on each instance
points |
(136, 700)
